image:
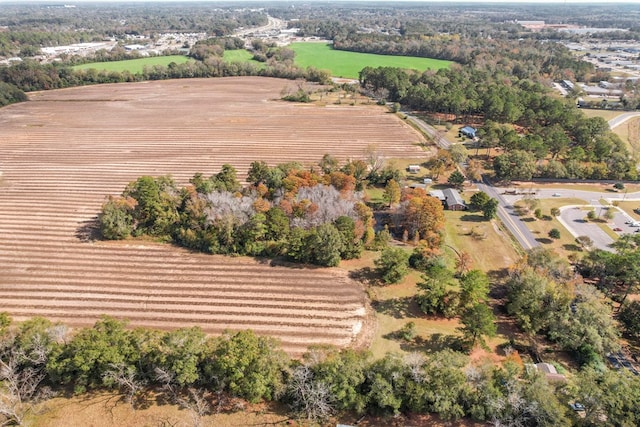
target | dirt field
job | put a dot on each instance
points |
(64, 151)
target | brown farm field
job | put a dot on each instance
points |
(63, 151)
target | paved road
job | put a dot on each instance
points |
(273, 24)
(622, 118)
(572, 216)
(506, 213)
(509, 218)
(436, 136)
(572, 219)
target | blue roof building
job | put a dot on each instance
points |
(468, 131)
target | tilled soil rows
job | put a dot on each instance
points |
(63, 151)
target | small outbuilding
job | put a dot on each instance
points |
(413, 168)
(467, 131)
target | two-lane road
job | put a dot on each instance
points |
(510, 219)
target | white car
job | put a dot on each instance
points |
(556, 195)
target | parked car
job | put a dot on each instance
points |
(617, 229)
(578, 407)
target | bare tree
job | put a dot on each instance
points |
(311, 398)
(374, 158)
(191, 399)
(126, 378)
(21, 376)
(168, 381)
(195, 402)
(415, 363)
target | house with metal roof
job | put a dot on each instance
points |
(453, 200)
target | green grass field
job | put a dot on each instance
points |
(318, 55)
(134, 66)
(348, 64)
(239, 55)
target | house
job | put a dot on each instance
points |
(548, 370)
(438, 194)
(450, 199)
(453, 201)
(413, 169)
(467, 131)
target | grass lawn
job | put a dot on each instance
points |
(540, 228)
(629, 133)
(348, 64)
(394, 307)
(491, 251)
(134, 66)
(238, 55)
(403, 164)
(241, 55)
(605, 114)
(628, 207)
(606, 189)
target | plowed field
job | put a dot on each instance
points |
(64, 151)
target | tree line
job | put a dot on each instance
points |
(540, 136)
(40, 359)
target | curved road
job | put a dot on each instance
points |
(617, 121)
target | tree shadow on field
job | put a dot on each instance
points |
(398, 308)
(473, 218)
(544, 240)
(88, 230)
(366, 275)
(435, 342)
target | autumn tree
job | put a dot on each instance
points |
(392, 192)
(423, 215)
